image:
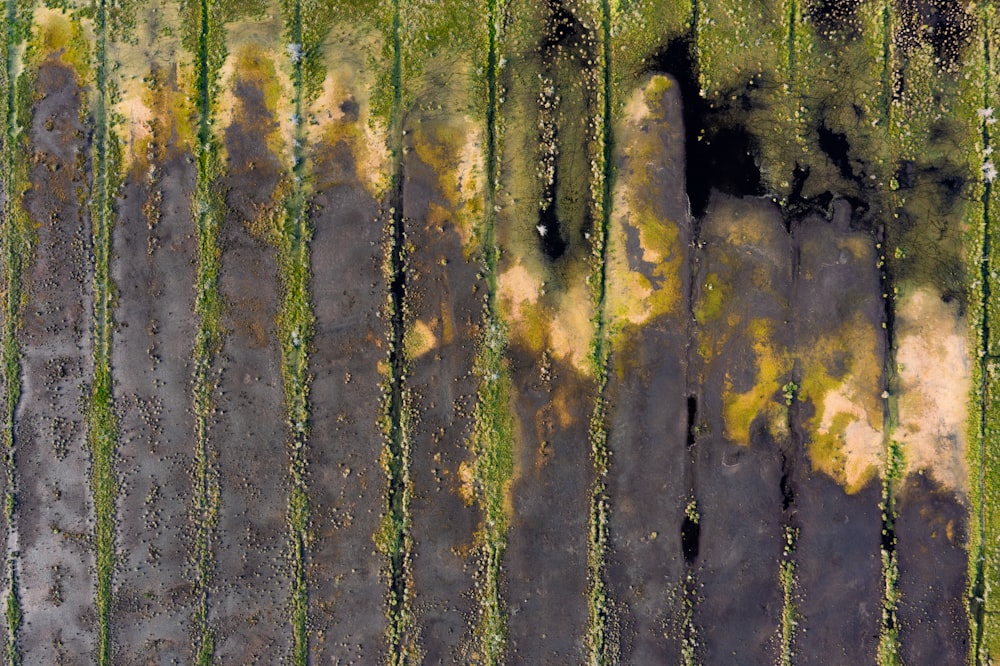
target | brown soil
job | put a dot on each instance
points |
(443, 290)
(251, 583)
(55, 513)
(347, 484)
(155, 250)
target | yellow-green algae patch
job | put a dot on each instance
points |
(253, 58)
(772, 364)
(846, 439)
(934, 377)
(749, 244)
(451, 145)
(62, 33)
(632, 296)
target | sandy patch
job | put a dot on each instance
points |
(845, 419)
(419, 340)
(934, 375)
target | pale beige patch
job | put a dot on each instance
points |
(861, 442)
(419, 339)
(518, 286)
(571, 331)
(349, 76)
(466, 486)
(934, 376)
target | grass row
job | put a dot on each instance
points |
(16, 240)
(102, 423)
(493, 434)
(599, 638)
(295, 326)
(203, 39)
(984, 426)
(394, 538)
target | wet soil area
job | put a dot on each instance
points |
(838, 566)
(931, 542)
(347, 483)
(444, 293)
(54, 509)
(153, 263)
(651, 417)
(251, 584)
(546, 562)
(745, 254)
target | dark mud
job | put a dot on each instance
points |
(444, 292)
(931, 542)
(839, 591)
(155, 250)
(838, 566)
(738, 487)
(251, 584)
(347, 484)
(650, 422)
(546, 563)
(55, 512)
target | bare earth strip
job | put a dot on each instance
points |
(837, 297)
(446, 305)
(930, 539)
(251, 581)
(647, 388)
(737, 485)
(347, 591)
(55, 514)
(154, 256)
(547, 554)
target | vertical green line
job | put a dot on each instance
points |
(208, 339)
(102, 431)
(16, 239)
(396, 538)
(296, 332)
(979, 591)
(493, 434)
(601, 648)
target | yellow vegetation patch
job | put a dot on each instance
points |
(740, 409)
(418, 339)
(846, 430)
(634, 296)
(343, 109)
(517, 287)
(934, 376)
(250, 63)
(466, 485)
(571, 329)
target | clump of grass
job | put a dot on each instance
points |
(789, 613)
(690, 641)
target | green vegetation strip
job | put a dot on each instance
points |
(789, 613)
(985, 424)
(16, 239)
(599, 637)
(203, 37)
(295, 325)
(493, 434)
(102, 425)
(394, 538)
